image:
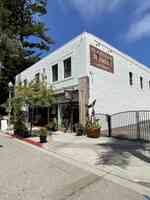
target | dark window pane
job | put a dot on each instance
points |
(55, 72)
(67, 68)
(131, 78)
(25, 82)
(141, 82)
(37, 77)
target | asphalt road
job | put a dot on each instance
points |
(27, 173)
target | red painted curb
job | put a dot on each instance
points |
(29, 141)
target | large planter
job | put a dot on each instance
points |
(43, 139)
(93, 132)
(21, 133)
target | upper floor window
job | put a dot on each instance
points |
(20, 83)
(141, 82)
(131, 78)
(55, 72)
(67, 67)
(25, 82)
(37, 77)
(44, 77)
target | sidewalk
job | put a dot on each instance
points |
(123, 158)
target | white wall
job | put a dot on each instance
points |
(74, 49)
(112, 91)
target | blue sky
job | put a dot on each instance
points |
(125, 24)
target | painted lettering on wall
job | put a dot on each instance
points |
(100, 59)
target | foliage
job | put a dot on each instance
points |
(20, 20)
(93, 124)
(20, 129)
(34, 94)
(43, 132)
(80, 130)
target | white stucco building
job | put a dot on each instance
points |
(93, 69)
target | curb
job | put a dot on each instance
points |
(29, 141)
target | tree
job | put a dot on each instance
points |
(20, 25)
(35, 94)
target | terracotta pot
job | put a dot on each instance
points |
(93, 132)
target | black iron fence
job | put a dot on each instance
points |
(129, 125)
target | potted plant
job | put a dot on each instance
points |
(43, 135)
(50, 127)
(20, 129)
(93, 128)
(80, 130)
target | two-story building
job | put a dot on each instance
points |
(87, 69)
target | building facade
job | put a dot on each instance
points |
(87, 69)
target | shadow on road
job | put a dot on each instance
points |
(118, 153)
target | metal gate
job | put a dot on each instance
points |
(104, 123)
(131, 125)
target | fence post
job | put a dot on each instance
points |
(109, 125)
(138, 125)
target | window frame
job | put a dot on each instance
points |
(66, 65)
(37, 77)
(54, 66)
(130, 78)
(25, 82)
(141, 82)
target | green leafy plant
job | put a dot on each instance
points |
(80, 129)
(20, 129)
(43, 132)
(93, 124)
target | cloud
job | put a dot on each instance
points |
(89, 9)
(142, 7)
(140, 23)
(139, 29)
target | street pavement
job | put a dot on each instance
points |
(31, 173)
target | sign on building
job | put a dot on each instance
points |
(101, 60)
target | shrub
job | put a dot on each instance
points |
(93, 124)
(20, 129)
(43, 132)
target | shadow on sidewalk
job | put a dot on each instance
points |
(118, 153)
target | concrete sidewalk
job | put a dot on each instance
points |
(126, 159)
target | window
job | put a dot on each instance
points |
(67, 67)
(55, 72)
(44, 77)
(20, 83)
(37, 77)
(149, 84)
(141, 82)
(131, 78)
(25, 82)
